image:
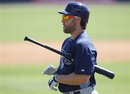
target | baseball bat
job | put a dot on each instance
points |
(97, 68)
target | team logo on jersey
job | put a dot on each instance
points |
(82, 70)
(65, 60)
(61, 65)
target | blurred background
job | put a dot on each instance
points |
(21, 63)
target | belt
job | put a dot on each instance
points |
(81, 91)
(78, 91)
(75, 92)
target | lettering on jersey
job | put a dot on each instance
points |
(61, 65)
(82, 70)
(64, 60)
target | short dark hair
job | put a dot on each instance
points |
(83, 24)
(84, 21)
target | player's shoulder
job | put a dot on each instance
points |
(85, 41)
(83, 38)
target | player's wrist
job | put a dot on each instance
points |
(55, 78)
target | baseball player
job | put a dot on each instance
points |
(75, 76)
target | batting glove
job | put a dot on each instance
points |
(50, 70)
(53, 84)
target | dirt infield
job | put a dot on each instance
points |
(23, 52)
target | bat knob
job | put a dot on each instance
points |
(26, 38)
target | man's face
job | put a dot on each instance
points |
(69, 23)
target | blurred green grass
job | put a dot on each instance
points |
(43, 22)
(27, 79)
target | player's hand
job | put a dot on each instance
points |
(50, 70)
(53, 84)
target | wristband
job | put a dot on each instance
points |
(55, 78)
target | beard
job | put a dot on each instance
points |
(70, 28)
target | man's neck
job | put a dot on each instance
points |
(76, 33)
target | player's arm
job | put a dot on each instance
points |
(73, 79)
